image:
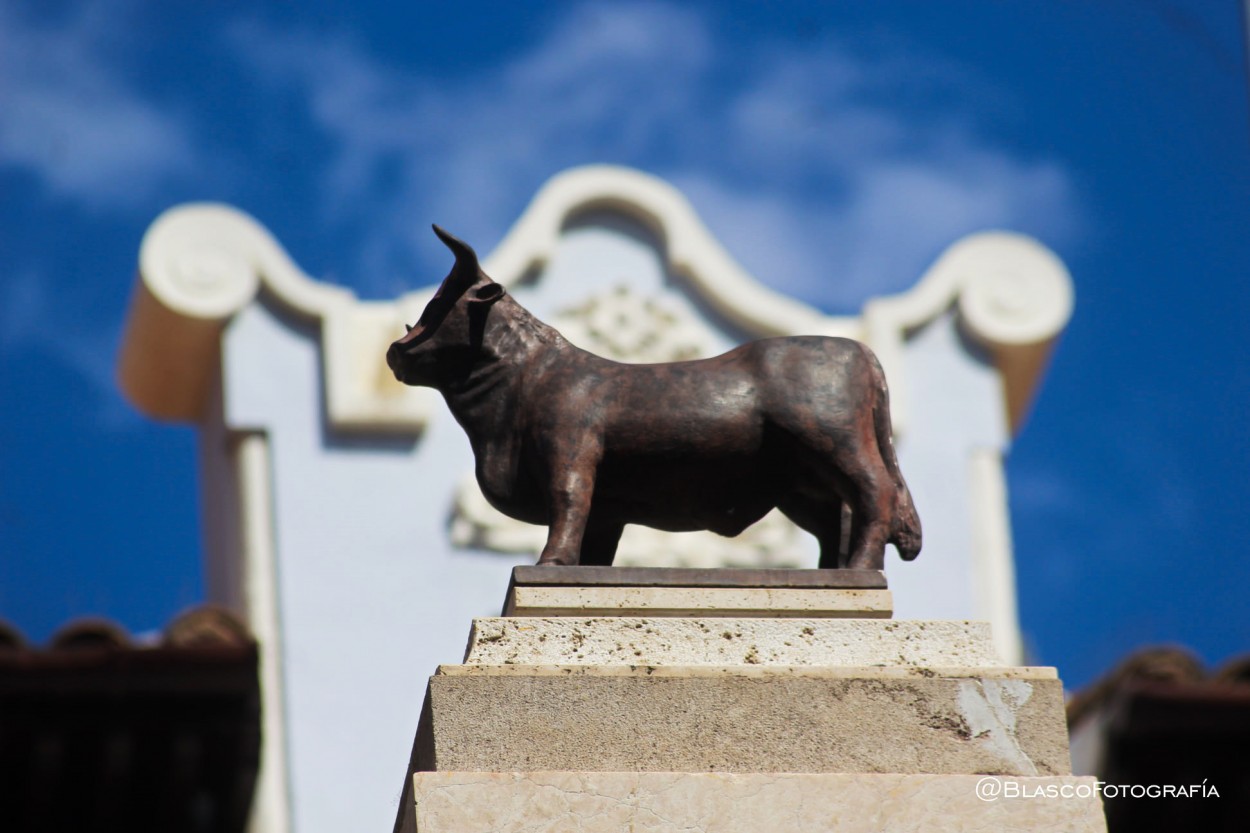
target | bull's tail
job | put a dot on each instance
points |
(905, 526)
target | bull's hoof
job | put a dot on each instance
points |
(557, 562)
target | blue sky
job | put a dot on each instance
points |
(836, 148)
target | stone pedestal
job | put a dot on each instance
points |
(727, 700)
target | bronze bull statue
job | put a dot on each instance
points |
(585, 445)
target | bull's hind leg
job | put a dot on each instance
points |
(826, 518)
(854, 469)
(872, 513)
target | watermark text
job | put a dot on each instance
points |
(995, 787)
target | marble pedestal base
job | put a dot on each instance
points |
(696, 701)
(678, 802)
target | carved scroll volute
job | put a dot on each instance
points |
(1016, 308)
(196, 270)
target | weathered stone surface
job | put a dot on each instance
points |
(698, 602)
(610, 802)
(743, 719)
(724, 642)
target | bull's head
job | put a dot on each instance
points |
(445, 341)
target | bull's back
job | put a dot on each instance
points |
(706, 407)
(810, 370)
(730, 405)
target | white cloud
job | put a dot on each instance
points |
(847, 197)
(68, 115)
(816, 188)
(609, 82)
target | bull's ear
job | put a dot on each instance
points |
(488, 293)
(466, 258)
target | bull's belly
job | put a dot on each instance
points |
(725, 496)
(729, 519)
(725, 500)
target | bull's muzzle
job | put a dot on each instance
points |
(395, 354)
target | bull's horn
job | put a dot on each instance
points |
(465, 256)
(408, 327)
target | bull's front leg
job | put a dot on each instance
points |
(572, 487)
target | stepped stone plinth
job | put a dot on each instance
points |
(734, 700)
